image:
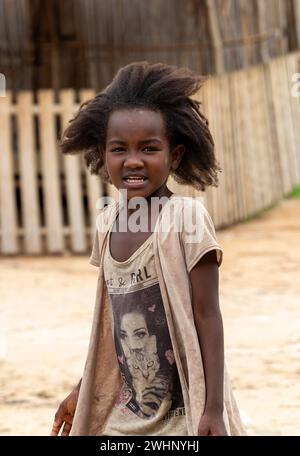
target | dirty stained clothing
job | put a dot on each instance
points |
(150, 401)
(176, 250)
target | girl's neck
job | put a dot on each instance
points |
(159, 193)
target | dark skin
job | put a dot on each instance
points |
(137, 142)
(64, 416)
(208, 320)
(126, 151)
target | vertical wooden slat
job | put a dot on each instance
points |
(248, 157)
(293, 68)
(211, 199)
(254, 153)
(236, 104)
(274, 153)
(193, 192)
(291, 138)
(220, 139)
(207, 194)
(226, 128)
(216, 36)
(296, 5)
(215, 120)
(277, 93)
(95, 188)
(8, 219)
(73, 181)
(260, 131)
(50, 170)
(95, 191)
(28, 171)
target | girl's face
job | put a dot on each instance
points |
(137, 146)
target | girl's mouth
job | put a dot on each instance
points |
(135, 182)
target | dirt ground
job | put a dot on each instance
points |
(46, 306)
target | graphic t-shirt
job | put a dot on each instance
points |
(150, 401)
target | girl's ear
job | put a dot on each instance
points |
(104, 172)
(177, 154)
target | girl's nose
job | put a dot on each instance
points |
(133, 160)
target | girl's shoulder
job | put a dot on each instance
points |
(188, 216)
(105, 213)
(188, 201)
(191, 208)
(196, 229)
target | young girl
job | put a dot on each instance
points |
(155, 364)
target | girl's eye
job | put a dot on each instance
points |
(146, 149)
(150, 149)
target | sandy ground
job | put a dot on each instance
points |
(46, 309)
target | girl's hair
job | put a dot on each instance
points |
(160, 87)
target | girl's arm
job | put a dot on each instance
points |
(65, 413)
(208, 320)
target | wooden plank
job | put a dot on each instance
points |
(279, 103)
(50, 170)
(226, 128)
(73, 181)
(271, 152)
(216, 36)
(260, 129)
(235, 140)
(238, 122)
(219, 193)
(95, 187)
(208, 109)
(274, 153)
(28, 174)
(249, 157)
(256, 131)
(293, 68)
(8, 217)
(291, 139)
(264, 135)
(94, 191)
(296, 7)
(203, 97)
(223, 120)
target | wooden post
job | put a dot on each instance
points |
(28, 173)
(8, 216)
(94, 184)
(73, 181)
(50, 170)
(215, 36)
(297, 21)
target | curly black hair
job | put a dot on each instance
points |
(161, 87)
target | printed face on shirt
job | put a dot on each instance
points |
(137, 145)
(144, 352)
(134, 332)
(140, 350)
(139, 347)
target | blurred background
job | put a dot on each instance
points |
(56, 54)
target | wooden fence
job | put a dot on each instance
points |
(48, 201)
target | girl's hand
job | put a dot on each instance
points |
(65, 413)
(212, 424)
